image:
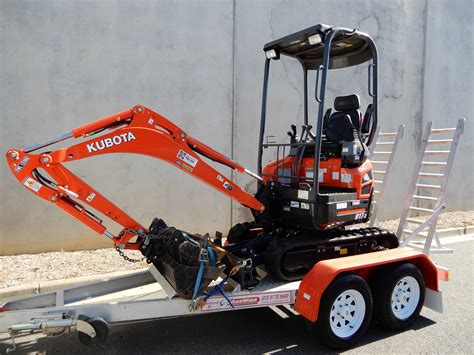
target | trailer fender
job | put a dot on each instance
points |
(324, 272)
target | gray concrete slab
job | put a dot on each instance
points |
(448, 87)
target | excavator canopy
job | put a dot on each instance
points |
(348, 48)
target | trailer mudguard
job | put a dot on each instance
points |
(324, 272)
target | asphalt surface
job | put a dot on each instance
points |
(263, 331)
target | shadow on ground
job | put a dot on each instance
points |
(246, 331)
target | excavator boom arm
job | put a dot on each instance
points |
(139, 131)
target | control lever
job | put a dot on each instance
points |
(293, 134)
(311, 134)
(303, 131)
(293, 129)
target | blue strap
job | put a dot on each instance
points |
(198, 279)
(218, 287)
(212, 257)
(203, 258)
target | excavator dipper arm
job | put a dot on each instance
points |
(139, 131)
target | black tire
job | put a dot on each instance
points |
(393, 315)
(101, 328)
(323, 329)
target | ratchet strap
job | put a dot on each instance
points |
(206, 254)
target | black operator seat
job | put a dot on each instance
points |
(337, 128)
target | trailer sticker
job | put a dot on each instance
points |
(188, 159)
(248, 301)
(32, 184)
(21, 165)
(335, 175)
(305, 205)
(227, 185)
(294, 204)
(220, 178)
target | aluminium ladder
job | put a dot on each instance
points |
(426, 196)
(386, 162)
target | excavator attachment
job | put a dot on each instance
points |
(188, 262)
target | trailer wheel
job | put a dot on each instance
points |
(344, 312)
(399, 295)
(101, 328)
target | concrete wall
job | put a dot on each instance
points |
(200, 63)
(448, 87)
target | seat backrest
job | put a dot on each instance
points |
(338, 128)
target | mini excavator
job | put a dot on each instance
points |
(317, 184)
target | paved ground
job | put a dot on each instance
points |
(261, 331)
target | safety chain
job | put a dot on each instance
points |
(139, 233)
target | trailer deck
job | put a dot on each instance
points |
(147, 295)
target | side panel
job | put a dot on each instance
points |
(323, 273)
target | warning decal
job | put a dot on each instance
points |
(249, 300)
(32, 184)
(188, 159)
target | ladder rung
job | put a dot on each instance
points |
(428, 198)
(378, 181)
(388, 134)
(407, 231)
(442, 130)
(382, 153)
(439, 141)
(379, 171)
(436, 152)
(379, 162)
(416, 221)
(433, 163)
(376, 191)
(421, 209)
(385, 143)
(427, 186)
(434, 175)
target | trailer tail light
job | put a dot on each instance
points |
(443, 273)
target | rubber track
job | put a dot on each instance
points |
(300, 251)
